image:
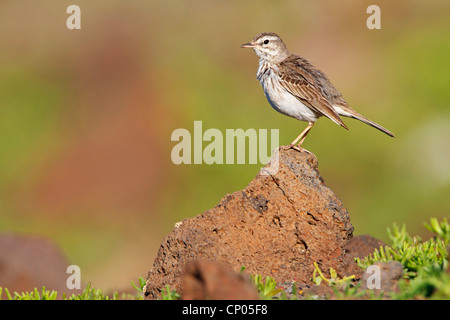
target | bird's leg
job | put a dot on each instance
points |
(301, 137)
(308, 128)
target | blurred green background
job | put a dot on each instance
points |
(86, 116)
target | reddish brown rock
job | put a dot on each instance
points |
(361, 246)
(279, 225)
(390, 273)
(210, 280)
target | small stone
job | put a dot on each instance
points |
(210, 280)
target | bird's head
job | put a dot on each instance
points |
(268, 46)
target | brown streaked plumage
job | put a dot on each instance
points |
(296, 88)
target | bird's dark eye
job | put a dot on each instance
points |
(266, 41)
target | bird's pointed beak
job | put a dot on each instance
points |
(248, 45)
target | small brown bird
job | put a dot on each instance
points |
(296, 88)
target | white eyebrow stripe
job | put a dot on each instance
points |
(269, 38)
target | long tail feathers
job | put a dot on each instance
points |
(373, 124)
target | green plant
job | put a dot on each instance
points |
(414, 254)
(433, 284)
(294, 294)
(89, 293)
(139, 289)
(33, 295)
(334, 279)
(168, 294)
(425, 263)
(441, 229)
(267, 288)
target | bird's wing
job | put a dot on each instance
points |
(303, 85)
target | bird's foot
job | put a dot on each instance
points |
(298, 148)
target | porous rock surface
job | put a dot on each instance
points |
(279, 225)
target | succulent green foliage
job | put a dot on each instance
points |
(441, 229)
(169, 294)
(89, 293)
(267, 288)
(425, 263)
(433, 284)
(413, 253)
(33, 295)
(139, 289)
